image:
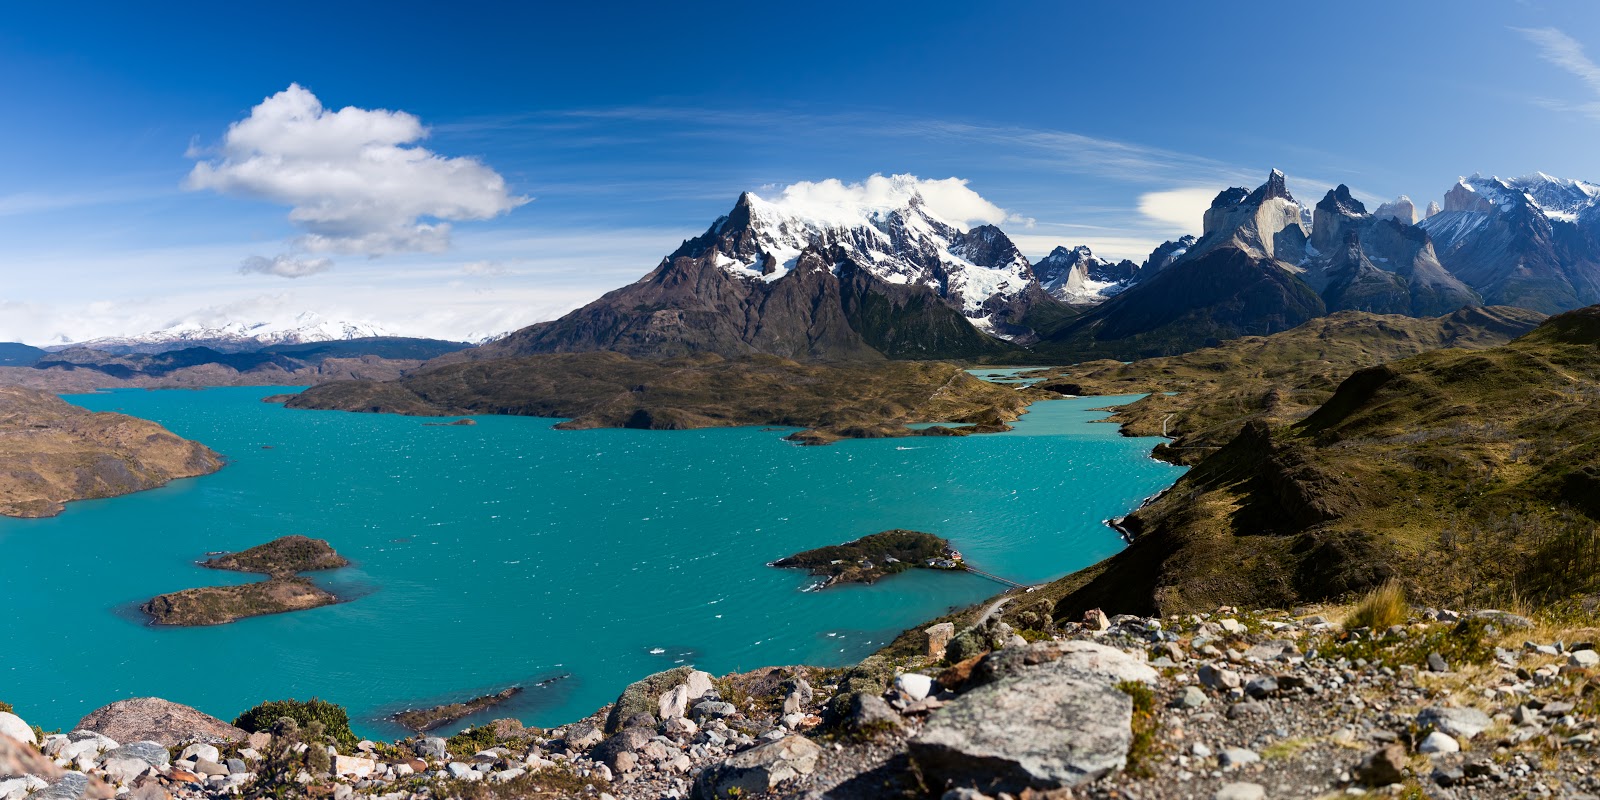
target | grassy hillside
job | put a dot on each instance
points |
(1473, 477)
(1277, 379)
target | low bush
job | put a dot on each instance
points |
(334, 719)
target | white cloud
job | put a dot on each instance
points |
(834, 202)
(1108, 245)
(1181, 210)
(1567, 53)
(285, 266)
(352, 184)
(484, 269)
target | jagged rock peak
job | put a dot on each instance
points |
(1076, 275)
(1338, 199)
(1276, 186)
(1166, 253)
(1230, 197)
(1401, 209)
(1433, 208)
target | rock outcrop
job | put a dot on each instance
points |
(157, 720)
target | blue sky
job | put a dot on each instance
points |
(621, 129)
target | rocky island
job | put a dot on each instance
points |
(284, 590)
(56, 452)
(610, 390)
(422, 720)
(879, 555)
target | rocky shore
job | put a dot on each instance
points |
(1227, 705)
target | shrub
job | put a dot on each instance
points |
(1142, 751)
(6, 707)
(334, 719)
(1381, 608)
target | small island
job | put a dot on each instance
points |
(869, 558)
(426, 719)
(284, 590)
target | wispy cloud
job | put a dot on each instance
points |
(1556, 47)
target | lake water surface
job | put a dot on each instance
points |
(511, 553)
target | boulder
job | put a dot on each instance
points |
(712, 708)
(156, 720)
(12, 725)
(870, 714)
(153, 753)
(18, 759)
(649, 695)
(759, 769)
(77, 744)
(965, 645)
(354, 766)
(1241, 791)
(1383, 767)
(198, 751)
(939, 637)
(1040, 728)
(1437, 742)
(432, 747)
(1584, 658)
(1084, 659)
(913, 686)
(583, 735)
(71, 786)
(1461, 723)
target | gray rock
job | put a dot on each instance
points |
(1248, 709)
(1041, 728)
(1261, 687)
(1436, 663)
(458, 770)
(1461, 723)
(1584, 658)
(1448, 776)
(122, 769)
(1087, 660)
(236, 766)
(1241, 791)
(20, 787)
(71, 786)
(432, 747)
(869, 712)
(1219, 678)
(1192, 697)
(153, 753)
(759, 769)
(1504, 619)
(583, 735)
(1233, 757)
(712, 708)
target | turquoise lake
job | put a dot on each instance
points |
(569, 562)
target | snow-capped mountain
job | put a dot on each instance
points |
(1078, 277)
(236, 336)
(898, 240)
(1532, 241)
(859, 275)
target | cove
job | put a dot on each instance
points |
(511, 553)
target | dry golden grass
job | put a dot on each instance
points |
(1381, 608)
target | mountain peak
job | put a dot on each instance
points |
(1277, 185)
(1338, 199)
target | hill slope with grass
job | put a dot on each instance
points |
(1204, 398)
(1472, 477)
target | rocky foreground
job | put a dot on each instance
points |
(54, 452)
(1224, 705)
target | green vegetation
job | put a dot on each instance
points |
(1466, 642)
(334, 720)
(560, 781)
(1381, 608)
(1277, 379)
(610, 390)
(281, 557)
(1468, 476)
(276, 774)
(1144, 749)
(869, 558)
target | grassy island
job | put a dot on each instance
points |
(281, 560)
(869, 558)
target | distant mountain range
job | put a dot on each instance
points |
(234, 337)
(898, 281)
(893, 279)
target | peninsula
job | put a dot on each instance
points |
(879, 555)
